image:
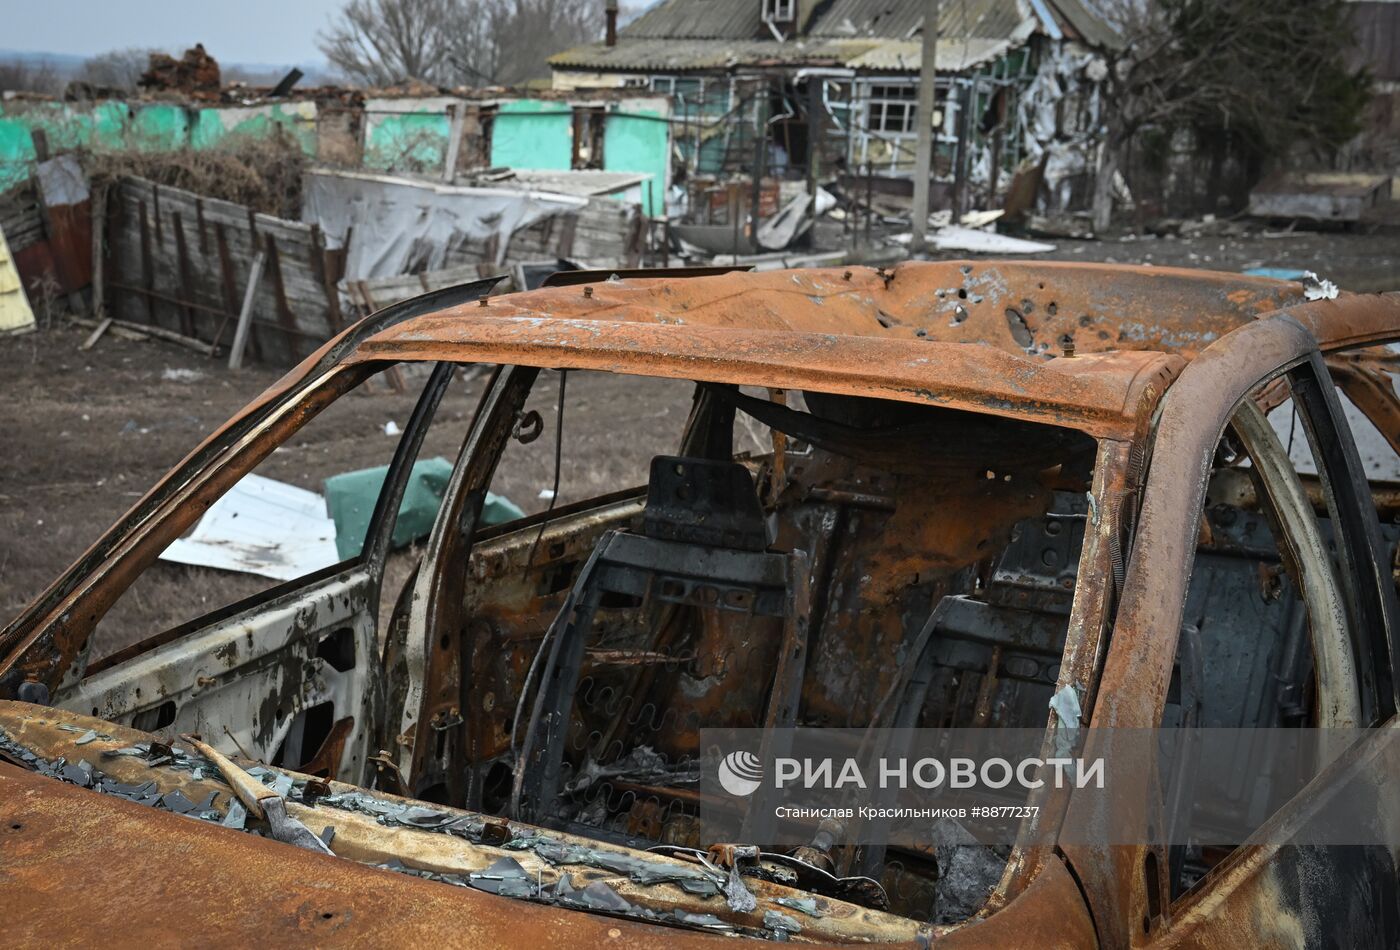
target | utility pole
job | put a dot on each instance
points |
(923, 155)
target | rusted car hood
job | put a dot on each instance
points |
(177, 875)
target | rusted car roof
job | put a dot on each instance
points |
(1098, 394)
(987, 337)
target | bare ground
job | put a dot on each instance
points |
(85, 434)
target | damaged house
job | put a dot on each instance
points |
(833, 84)
(405, 190)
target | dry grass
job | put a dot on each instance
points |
(263, 173)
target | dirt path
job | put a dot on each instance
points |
(86, 434)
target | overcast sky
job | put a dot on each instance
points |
(277, 32)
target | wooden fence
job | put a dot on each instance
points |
(182, 262)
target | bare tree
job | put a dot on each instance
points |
(537, 29)
(1269, 73)
(22, 75)
(451, 42)
(116, 69)
(381, 42)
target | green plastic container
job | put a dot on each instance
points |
(350, 499)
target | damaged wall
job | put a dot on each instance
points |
(533, 134)
(414, 134)
(114, 125)
(399, 133)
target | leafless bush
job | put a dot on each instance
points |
(263, 173)
(21, 75)
(116, 69)
(46, 298)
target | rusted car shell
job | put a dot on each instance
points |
(227, 889)
(840, 331)
(1135, 674)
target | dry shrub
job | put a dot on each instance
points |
(263, 173)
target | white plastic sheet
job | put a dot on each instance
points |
(264, 527)
(402, 225)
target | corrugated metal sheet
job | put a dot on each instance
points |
(699, 19)
(905, 56)
(681, 55)
(901, 56)
(904, 19)
(1377, 38)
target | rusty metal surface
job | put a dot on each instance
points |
(1023, 345)
(1136, 672)
(360, 838)
(1099, 307)
(1094, 393)
(129, 876)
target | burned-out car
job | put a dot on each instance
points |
(968, 489)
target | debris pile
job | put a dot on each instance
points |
(195, 74)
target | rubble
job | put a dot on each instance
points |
(196, 73)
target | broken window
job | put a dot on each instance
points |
(304, 509)
(588, 131)
(1275, 632)
(908, 518)
(779, 11)
(892, 107)
(605, 432)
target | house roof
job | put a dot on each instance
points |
(698, 20)
(663, 55)
(904, 19)
(859, 34)
(1377, 29)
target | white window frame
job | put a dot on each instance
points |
(779, 11)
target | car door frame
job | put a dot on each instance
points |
(1137, 668)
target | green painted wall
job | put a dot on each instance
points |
(530, 133)
(212, 126)
(639, 140)
(148, 126)
(527, 133)
(408, 140)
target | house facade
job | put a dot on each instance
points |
(829, 88)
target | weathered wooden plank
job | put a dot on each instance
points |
(203, 233)
(245, 316)
(147, 265)
(183, 266)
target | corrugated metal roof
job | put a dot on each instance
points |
(669, 54)
(902, 56)
(1377, 46)
(698, 19)
(906, 56)
(904, 19)
(839, 19)
(860, 34)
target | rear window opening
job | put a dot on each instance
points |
(897, 508)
